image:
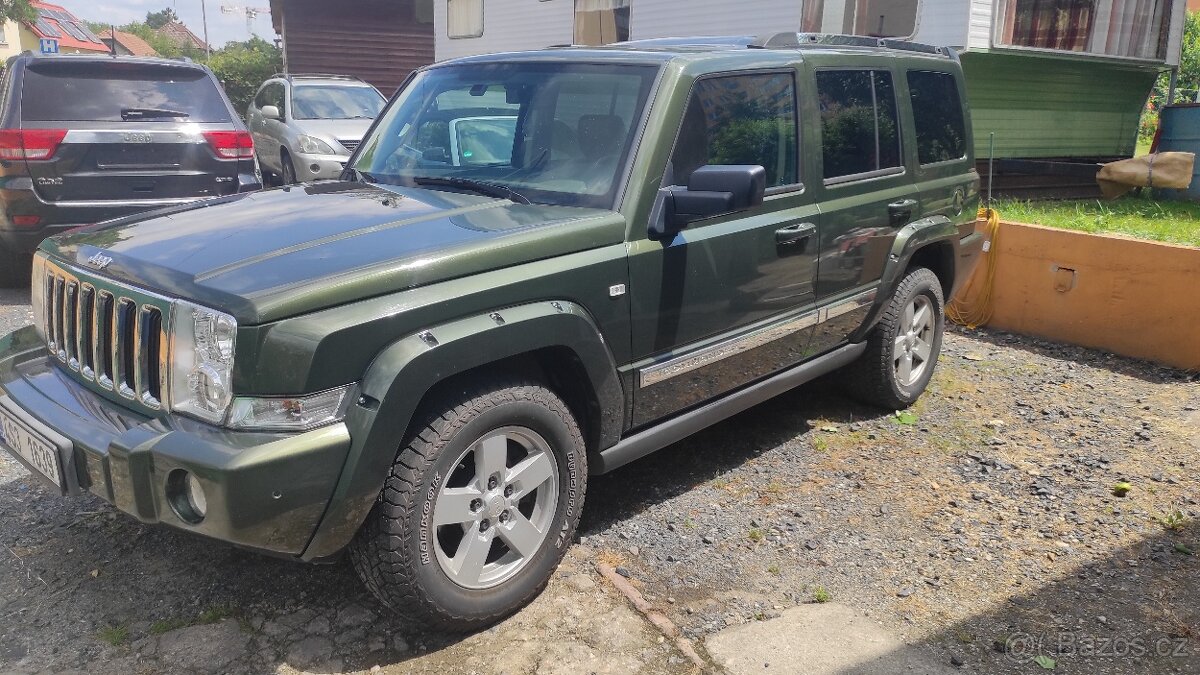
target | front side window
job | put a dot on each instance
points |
(335, 102)
(876, 18)
(859, 126)
(1127, 28)
(554, 133)
(938, 114)
(464, 18)
(740, 119)
(601, 22)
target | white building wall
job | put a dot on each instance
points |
(943, 22)
(508, 25)
(673, 18)
(980, 28)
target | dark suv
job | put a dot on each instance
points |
(538, 266)
(88, 138)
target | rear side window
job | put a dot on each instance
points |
(113, 92)
(937, 109)
(740, 119)
(859, 125)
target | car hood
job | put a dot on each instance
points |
(268, 255)
(335, 129)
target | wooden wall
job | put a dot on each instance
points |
(380, 41)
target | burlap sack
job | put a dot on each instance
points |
(1160, 170)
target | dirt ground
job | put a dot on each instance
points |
(982, 528)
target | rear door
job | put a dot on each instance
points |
(135, 134)
(867, 192)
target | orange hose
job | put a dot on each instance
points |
(973, 305)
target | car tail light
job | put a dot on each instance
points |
(26, 221)
(231, 144)
(30, 143)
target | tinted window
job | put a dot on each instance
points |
(63, 91)
(743, 119)
(859, 125)
(941, 132)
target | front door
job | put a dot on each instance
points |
(867, 193)
(729, 299)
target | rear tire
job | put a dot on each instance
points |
(479, 507)
(903, 348)
(15, 269)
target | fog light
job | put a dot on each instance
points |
(316, 168)
(186, 496)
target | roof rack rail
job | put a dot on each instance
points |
(801, 40)
(326, 76)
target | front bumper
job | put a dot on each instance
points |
(264, 491)
(319, 167)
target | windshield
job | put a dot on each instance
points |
(553, 133)
(335, 102)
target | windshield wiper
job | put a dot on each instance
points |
(143, 113)
(363, 175)
(481, 187)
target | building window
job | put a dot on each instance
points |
(742, 119)
(938, 114)
(876, 18)
(1126, 28)
(464, 18)
(601, 22)
(859, 125)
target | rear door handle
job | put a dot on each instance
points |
(794, 234)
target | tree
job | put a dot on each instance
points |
(243, 66)
(156, 20)
(17, 10)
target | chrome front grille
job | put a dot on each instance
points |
(349, 144)
(112, 337)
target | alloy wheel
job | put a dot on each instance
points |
(496, 507)
(914, 341)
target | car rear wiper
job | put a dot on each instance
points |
(481, 187)
(144, 113)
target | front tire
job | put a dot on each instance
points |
(903, 348)
(479, 507)
(287, 169)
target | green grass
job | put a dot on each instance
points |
(1175, 222)
(114, 635)
(1143, 146)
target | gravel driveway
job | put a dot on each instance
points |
(982, 527)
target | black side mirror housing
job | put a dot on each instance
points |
(712, 190)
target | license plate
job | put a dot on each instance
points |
(32, 447)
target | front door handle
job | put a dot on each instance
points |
(794, 234)
(901, 212)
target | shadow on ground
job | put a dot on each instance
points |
(1134, 612)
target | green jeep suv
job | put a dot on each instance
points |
(537, 266)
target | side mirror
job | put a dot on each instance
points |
(270, 112)
(712, 190)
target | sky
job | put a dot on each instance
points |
(222, 28)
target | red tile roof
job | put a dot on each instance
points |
(136, 45)
(56, 22)
(181, 35)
